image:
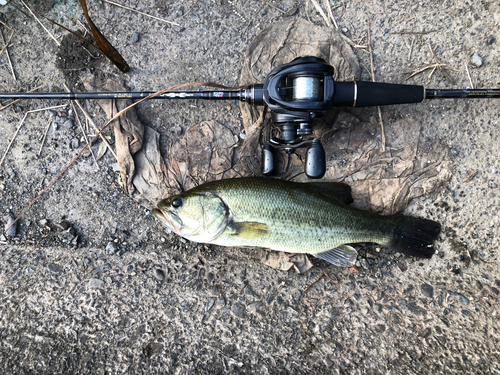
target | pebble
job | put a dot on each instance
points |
(55, 268)
(68, 124)
(427, 290)
(364, 264)
(110, 248)
(491, 40)
(454, 151)
(180, 13)
(96, 284)
(345, 30)
(104, 267)
(477, 60)
(54, 126)
(463, 299)
(135, 37)
(159, 274)
(75, 143)
(52, 112)
(263, 12)
(9, 219)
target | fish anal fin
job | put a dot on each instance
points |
(249, 230)
(343, 256)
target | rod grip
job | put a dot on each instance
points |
(375, 93)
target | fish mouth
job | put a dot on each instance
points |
(169, 218)
(159, 215)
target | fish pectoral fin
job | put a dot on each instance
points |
(249, 230)
(343, 256)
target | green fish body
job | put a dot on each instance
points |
(312, 218)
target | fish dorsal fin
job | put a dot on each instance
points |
(343, 256)
(332, 190)
(249, 230)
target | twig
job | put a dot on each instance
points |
(414, 32)
(84, 135)
(7, 26)
(7, 52)
(324, 274)
(373, 79)
(6, 44)
(87, 115)
(468, 74)
(2, 107)
(190, 9)
(48, 32)
(21, 125)
(138, 11)
(44, 137)
(330, 13)
(320, 10)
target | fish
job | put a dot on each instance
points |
(312, 217)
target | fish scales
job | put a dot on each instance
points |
(299, 221)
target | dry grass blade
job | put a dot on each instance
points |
(373, 79)
(138, 11)
(7, 53)
(210, 84)
(41, 24)
(320, 10)
(21, 125)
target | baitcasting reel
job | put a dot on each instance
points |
(296, 93)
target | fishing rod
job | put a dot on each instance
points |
(295, 93)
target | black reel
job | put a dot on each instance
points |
(296, 93)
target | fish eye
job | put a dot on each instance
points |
(177, 203)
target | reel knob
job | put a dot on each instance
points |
(267, 160)
(315, 160)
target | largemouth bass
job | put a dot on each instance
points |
(312, 218)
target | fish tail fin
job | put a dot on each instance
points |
(415, 236)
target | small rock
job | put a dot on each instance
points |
(54, 126)
(180, 13)
(345, 30)
(491, 40)
(427, 290)
(110, 248)
(263, 12)
(364, 264)
(159, 274)
(462, 298)
(69, 124)
(55, 268)
(104, 267)
(74, 143)
(43, 223)
(135, 38)
(454, 151)
(477, 60)
(52, 112)
(96, 284)
(9, 219)
(178, 130)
